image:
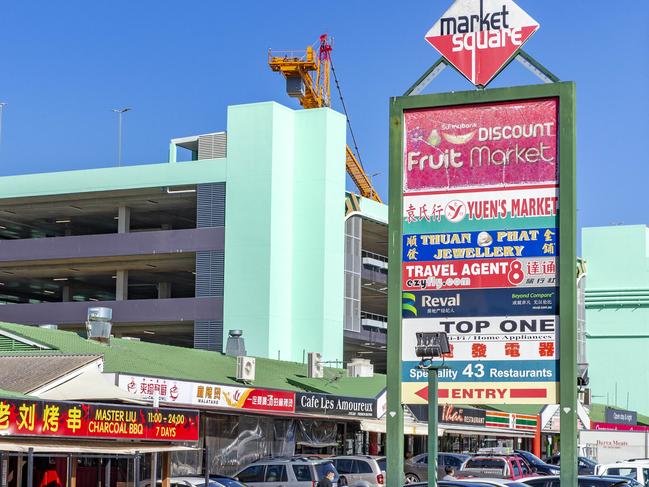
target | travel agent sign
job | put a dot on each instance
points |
(479, 238)
(479, 37)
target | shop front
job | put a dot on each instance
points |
(76, 444)
(465, 429)
(245, 423)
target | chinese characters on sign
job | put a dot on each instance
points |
(81, 420)
(480, 250)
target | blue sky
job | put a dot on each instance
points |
(179, 65)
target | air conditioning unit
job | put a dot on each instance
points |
(360, 367)
(246, 369)
(316, 367)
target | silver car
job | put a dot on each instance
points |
(359, 471)
(286, 472)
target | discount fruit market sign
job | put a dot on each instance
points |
(478, 37)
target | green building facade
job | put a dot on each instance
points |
(617, 314)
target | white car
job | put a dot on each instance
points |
(637, 470)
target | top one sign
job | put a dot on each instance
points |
(480, 37)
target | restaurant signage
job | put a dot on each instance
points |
(621, 416)
(335, 405)
(207, 394)
(100, 421)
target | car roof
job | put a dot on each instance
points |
(626, 463)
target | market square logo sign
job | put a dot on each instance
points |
(478, 37)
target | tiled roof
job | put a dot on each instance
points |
(143, 358)
(27, 372)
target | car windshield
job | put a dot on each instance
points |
(529, 456)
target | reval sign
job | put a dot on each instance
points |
(479, 37)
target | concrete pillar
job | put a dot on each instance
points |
(65, 293)
(164, 290)
(121, 286)
(123, 219)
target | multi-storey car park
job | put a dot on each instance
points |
(255, 232)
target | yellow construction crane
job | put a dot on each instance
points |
(307, 79)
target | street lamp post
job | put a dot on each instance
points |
(429, 346)
(120, 112)
(2, 106)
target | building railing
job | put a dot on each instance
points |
(374, 320)
(377, 261)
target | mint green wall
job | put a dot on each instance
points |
(617, 313)
(319, 229)
(285, 230)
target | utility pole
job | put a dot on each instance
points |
(2, 106)
(120, 112)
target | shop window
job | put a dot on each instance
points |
(276, 473)
(302, 473)
(254, 473)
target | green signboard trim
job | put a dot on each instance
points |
(565, 92)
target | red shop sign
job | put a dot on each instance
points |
(83, 420)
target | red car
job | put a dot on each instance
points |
(509, 467)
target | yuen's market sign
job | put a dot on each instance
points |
(479, 37)
(99, 421)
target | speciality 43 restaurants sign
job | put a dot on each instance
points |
(100, 421)
(480, 248)
(478, 37)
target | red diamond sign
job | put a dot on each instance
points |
(479, 37)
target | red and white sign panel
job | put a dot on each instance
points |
(509, 143)
(479, 37)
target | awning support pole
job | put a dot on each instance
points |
(136, 469)
(30, 467)
(166, 469)
(206, 464)
(154, 469)
(107, 473)
(73, 471)
(4, 465)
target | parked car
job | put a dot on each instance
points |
(634, 469)
(585, 465)
(471, 483)
(286, 472)
(584, 481)
(359, 471)
(539, 466)
(198, 481)
(509, 467)
(416, 468)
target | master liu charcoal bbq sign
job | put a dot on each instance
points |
(100, 421)
(480, 248)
